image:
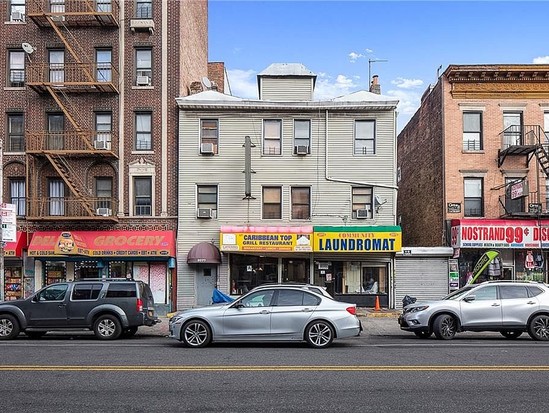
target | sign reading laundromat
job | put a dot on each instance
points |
(357, 239)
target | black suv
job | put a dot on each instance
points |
(110, 307)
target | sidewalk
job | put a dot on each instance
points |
(376, 323)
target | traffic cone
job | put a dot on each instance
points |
(377, 307)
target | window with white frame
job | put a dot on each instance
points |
(209, 135)
(473, 197)
(272, 137)
(365, 133)
(143, 131)
(301, 203)
(142, 193)
(103, 58)
(17, 195)
(206, 198)
(143, 66)
(362, 202)
(17, 10)
(103, 6)
(56, 197)
(16, 133)
(103, 128)
(103, 193)
(302, 136)
(512, 129)
(472, 131)
(272, 202)
(56, 65)
(16, 76)
(57, 6)
(56, 131)
(143, 9)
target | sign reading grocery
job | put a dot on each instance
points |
(264, 239)
(499, 233)
(357, 239)
(102, 243)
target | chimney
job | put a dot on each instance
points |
(196, 87)
(375, 87)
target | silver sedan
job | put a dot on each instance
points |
(274, 313)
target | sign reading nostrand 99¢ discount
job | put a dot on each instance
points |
(500, 234)
(8, 213)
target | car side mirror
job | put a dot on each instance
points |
(469, 298)
(36, 298)
(238, 305)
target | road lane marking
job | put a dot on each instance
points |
(20, 368)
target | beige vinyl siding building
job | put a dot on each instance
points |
(326, 172)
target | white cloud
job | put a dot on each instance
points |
(541, 60)
(328, 88)
(353, 56)
(408, 104)
(243, 83)
(403, 83)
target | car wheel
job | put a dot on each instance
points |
(129, 332)
(538, 328)
(319, 334)
(196, 333)
(9, 327)
(423, 334)
(511, 335)
(445, 327)
(35, 334)
(107, 327)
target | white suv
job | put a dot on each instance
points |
(508, 307)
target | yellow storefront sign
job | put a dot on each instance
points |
(357, 239)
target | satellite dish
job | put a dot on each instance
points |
(206, 82)
(28, 48)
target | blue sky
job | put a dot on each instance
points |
(335, 40)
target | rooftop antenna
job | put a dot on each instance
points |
(207, 83)
(438, 71)
(370, 61)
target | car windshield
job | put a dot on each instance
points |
(456, 295)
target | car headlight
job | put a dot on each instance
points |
(418, 309)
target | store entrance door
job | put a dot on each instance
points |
(507, 273)
(206, 280)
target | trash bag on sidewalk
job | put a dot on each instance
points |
(408, 300)
(219, 297)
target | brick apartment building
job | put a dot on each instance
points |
(89, 136)
(473, 169)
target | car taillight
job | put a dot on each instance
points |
(139, 304)
(351, 310)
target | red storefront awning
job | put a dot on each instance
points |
(103, 244)
(15, 249)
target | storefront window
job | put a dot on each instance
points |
(249, 271)
(529, 265)
(295, 270)
(87, 269)
(13, 283)
(56, 271)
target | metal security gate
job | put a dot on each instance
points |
(423, 274)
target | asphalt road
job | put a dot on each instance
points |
(384, 370)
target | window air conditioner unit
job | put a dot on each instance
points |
(58, 18)
(362, 213)
(143, 81)
(302, 149)
(207, 148)
(17, 16)
(106, 212)
(102, 145)
(205, 213)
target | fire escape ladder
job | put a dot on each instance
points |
(70, 46)
(543, 159)
(77, 187)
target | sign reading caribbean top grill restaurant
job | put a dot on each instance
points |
(276, 239)
(357, 239)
